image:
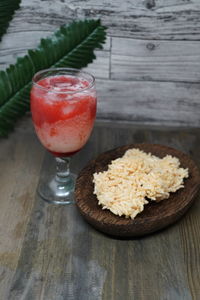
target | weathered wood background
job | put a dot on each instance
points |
(149, 70)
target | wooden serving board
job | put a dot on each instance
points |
(155, 215)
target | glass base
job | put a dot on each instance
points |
(57, 192)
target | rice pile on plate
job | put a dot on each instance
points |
(134, 179)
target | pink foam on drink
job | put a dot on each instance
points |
(59, 83)
(56, 138)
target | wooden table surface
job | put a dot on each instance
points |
(48, 252)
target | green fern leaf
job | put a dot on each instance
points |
(7, 9)
(71, 46)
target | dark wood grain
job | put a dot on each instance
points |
(55, 254)
(155, 216)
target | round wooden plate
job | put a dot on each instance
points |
(155, 215)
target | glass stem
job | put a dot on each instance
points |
(62, 169)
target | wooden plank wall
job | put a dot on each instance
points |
(149, 69)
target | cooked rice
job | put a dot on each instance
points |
(134, 179)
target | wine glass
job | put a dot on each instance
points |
(63, 106)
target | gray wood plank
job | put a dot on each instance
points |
(100, 67)
(62, 257)
(155, 60)
(162, 45)
(191, 250)
(20, 161)
(161, 19)
(136, 19)
(144, 102)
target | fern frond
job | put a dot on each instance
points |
(7, 9)
(71, 46)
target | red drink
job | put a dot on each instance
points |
(63, 105)
(63, 112)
